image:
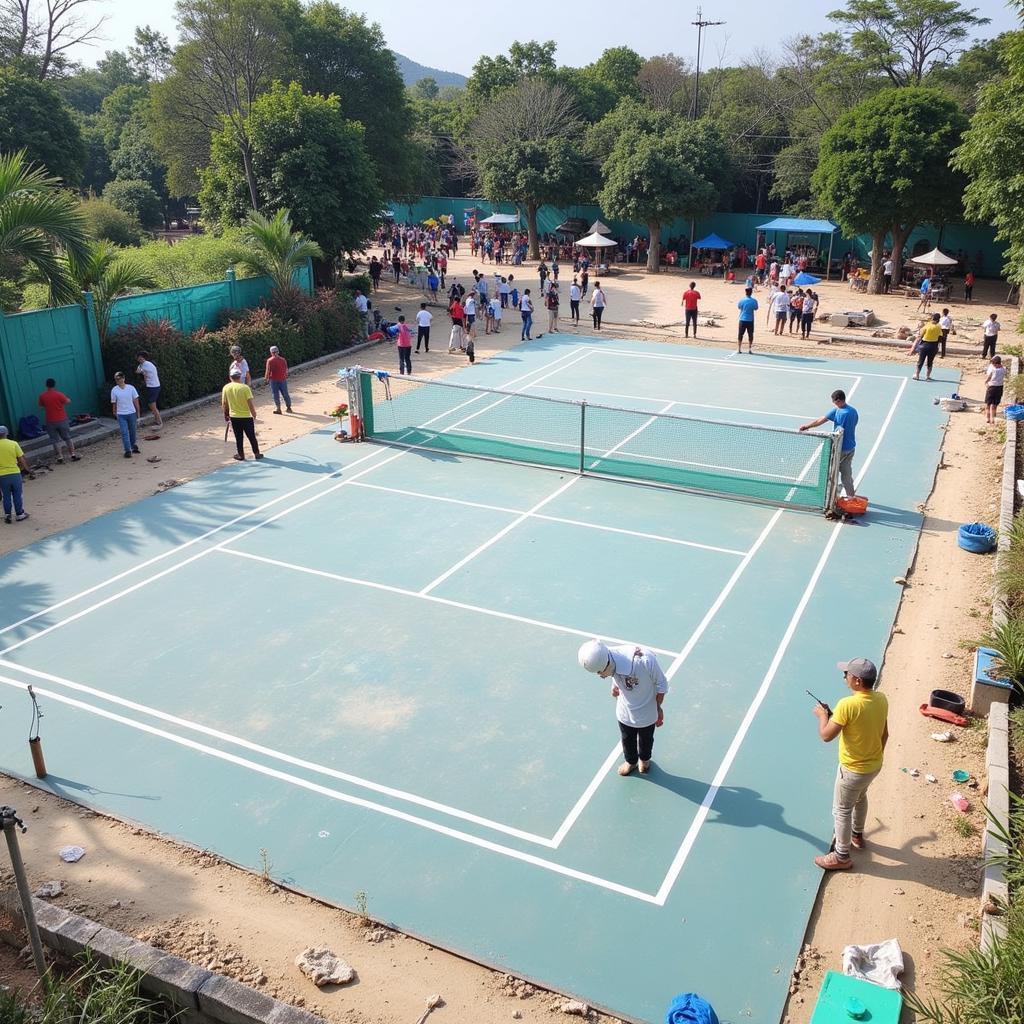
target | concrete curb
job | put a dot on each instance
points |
(201, 995)
(994, 890)
(103, 428)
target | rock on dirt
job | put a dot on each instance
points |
(323, 967)
(48, 890)
(574, 1008)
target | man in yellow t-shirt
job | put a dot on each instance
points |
(928, 346)
(236, 401)
(12, 462)
(861, 723)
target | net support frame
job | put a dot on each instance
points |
(576, 458)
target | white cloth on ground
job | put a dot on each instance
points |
(880, 963)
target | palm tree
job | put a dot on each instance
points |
(275, 248)
(38, 222)
(106, 272)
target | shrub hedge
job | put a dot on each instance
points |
(194, 366)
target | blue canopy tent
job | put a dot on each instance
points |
(803, 226)
(713, 241)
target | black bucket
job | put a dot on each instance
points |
(947, 701)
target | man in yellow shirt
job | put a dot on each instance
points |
(928, 346)
(236, 401)
(861, 723)
(12, 462)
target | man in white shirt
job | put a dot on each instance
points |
(124, 404)
(887, 268)
(503, 290)
(780, 307)
(639, 687)
(423, 319)
(575, 294)
(597, 305)
(496, 314)
(362, 308)
(992, 329)
(946, 325)
(151, 382)
(526, 311)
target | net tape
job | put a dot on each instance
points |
(757, 463)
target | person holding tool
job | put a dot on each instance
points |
(861, 723)
(639, 687)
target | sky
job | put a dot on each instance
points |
(451, 35)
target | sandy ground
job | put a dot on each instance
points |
(918, 881)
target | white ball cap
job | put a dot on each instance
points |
(593, 656)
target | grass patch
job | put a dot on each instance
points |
(964, 827)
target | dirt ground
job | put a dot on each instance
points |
(918, 881)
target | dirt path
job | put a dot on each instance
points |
(919, 881)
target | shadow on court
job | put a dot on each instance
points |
(736, 806)
(71, 790)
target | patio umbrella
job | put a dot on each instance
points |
(596, 241)
(935, 258)
(806, 279)
(597, 228)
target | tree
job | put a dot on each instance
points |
(617, 68)
(992, 157)
(106, 272)
(38, 221)
(39, 34)
(903, 38)
(136, 198)
(344, 55)
(105, 221)
(664, 82)
(275, 249)
(118, 108)
(307, 158)
(884, 168)
(230, 52)
(492, 75)
(33, 119)
(151, 54)
(975, 67)
(657, 175)
(426, 88)
(527, 150)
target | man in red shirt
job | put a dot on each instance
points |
(276, 372)
(55, 404)
(690, 299)
(457, 314)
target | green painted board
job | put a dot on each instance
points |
(881, 1005)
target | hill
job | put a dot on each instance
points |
(413, 72)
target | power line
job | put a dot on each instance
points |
(701, 24)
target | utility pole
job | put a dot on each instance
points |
(701, 25)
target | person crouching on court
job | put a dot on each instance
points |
(861, 721)
(639, 687)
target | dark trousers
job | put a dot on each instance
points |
(988, 345)
(637, 743)
(886, 283)
(746, 327)
(942, 344)
(691, 318)
(504, 299)
(926, 354)
(598, 313)
(423, 334)
(574, 310)
(245, 426)
(404, 359)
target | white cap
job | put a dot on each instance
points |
(594, 656)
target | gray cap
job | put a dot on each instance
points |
(3, 431)
(859, 667)
(236, 373)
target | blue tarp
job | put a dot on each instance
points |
(810, 227)
(713, 241)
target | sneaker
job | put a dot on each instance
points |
(238, 458)
(857, 841)
(21, 517)
(259, 455)
(645, 767)
(7, 519)
(277, 412)
(127, 455)
(289, 409)
(76, 458)
(626, 768)
(136, 449)
(833, 862)
(60, 462)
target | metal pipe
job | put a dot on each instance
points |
(10, 822)
(583, 435)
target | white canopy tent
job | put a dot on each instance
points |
(596, 241)
(935, 258)
(597, 228)
(501, 218)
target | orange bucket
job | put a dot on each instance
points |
(852, 506)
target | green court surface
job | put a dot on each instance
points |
(362, 659)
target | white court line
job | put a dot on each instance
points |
(549, 519)
(388, 588)
(206, 551)
(391, 812)
(723, 769)
(702, 626)
(689, 405)
(744, 365)
(298, 762)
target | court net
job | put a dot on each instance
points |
(757, 463)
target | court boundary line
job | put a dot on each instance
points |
(692, 833)
(549, 518)
(348, 798)
(321, 494)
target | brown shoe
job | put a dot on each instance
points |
(645, 767)
(857, 841)
(833, 862)
(626, 768)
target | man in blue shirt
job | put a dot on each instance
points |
(747, 307)
(842, 416)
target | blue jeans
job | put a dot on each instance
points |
(127, 422)
(279, 390)
(527, 325)
(11, 487)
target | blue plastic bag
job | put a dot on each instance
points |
(690, 1008)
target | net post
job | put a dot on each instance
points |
(366, 401)
(583, 435)
(832, 484)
